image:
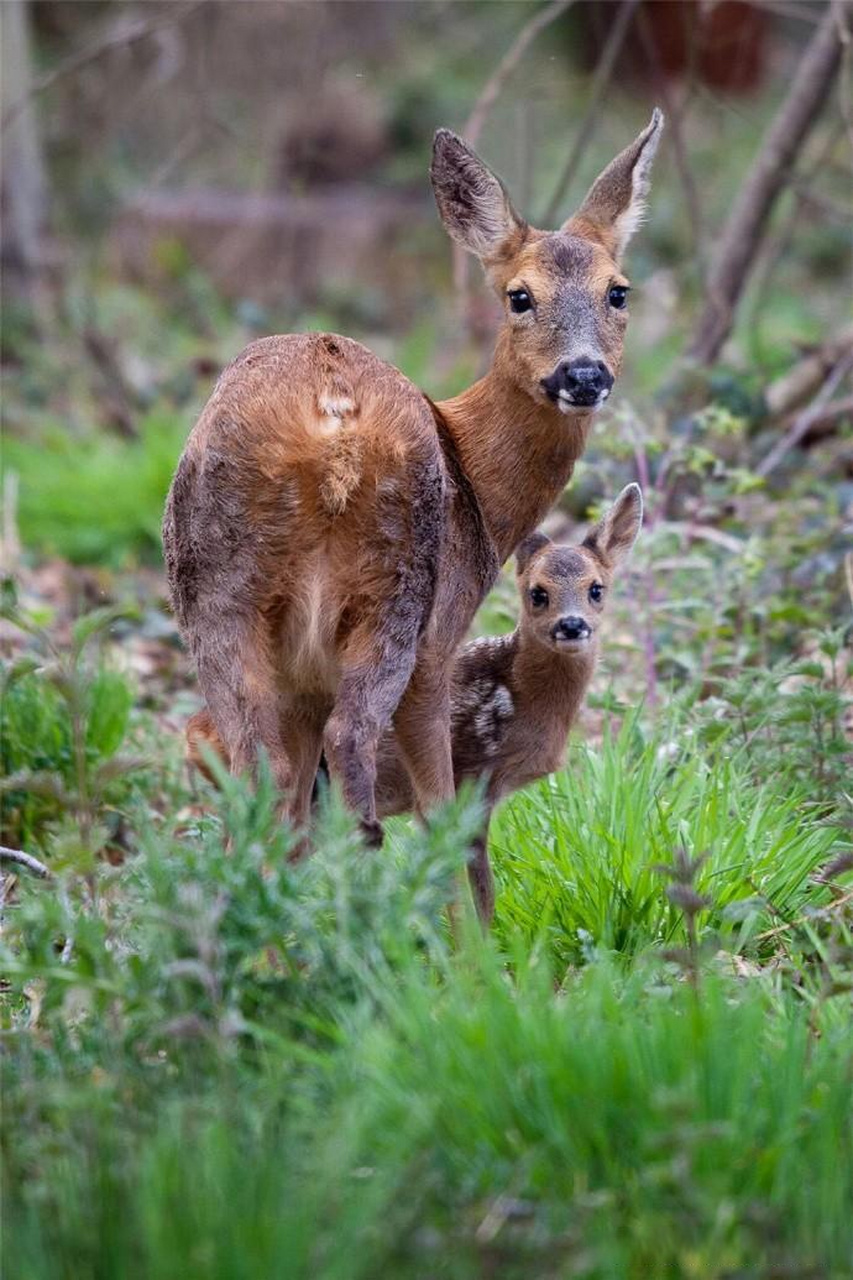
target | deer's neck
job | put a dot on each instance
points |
(552, 686)
(517, 454)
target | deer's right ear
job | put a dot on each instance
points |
(472, 202)
(527, 549)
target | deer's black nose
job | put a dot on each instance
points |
(571, 628)
(586, 380)
(582, 382)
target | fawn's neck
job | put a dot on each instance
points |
(518, 454)
(549, 685)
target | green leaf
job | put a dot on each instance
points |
(109, 704)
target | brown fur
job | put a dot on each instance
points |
(514, 698)
(330, 531)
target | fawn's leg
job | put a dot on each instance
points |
(375, 669)
(480, 877)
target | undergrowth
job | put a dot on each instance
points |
(220, 1063)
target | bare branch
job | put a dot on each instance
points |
(119, 37)
(674, 114)
(483, 106)
(827, 419)
(804, 421)
(496, 81)
(806, 376)
(743, 231)
(601, 80)
(21, 859)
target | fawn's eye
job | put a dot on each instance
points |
(618, 296)
(596, 592)
(538, 597)
(519, 301)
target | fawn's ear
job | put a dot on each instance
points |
(472, 202)
(616, 201)
(616, 532)
(527, 549)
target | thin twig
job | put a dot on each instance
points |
(600, 81)
(844, 97)
(674, 113)
(827, 420)
(27, 860)
(489, 94)
(486, 100)
(805, 421)
(804, 378)
(127, 33)
(801, 920)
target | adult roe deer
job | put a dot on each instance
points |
(513, 698)
(330, 531)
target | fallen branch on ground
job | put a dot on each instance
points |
(804, 421)
(806, 376)
(21, 859)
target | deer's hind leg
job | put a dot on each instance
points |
(240, 683)
(374, 673)
(302, 735)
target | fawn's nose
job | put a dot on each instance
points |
(571, 628)
(583, 382)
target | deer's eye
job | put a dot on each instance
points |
(596, 592)
(538, 597)
(519, 301)
(618, 296)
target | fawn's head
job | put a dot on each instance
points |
(564, 293)
(564, 589)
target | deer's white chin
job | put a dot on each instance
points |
(566, 404)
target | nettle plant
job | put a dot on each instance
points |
(66, 720)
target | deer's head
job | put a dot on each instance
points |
(564, 294)
(564, 589)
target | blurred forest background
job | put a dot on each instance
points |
(180, 178)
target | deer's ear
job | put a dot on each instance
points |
(472, 202)
(527, 549)
(616, 532)
(616, 201)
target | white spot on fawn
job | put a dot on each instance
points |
(494, 710)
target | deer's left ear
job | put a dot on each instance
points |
(616, 201)
(616, 532)
(528, 548)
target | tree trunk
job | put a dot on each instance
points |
(742, 233)
(22, 183)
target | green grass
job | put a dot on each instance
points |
(221, 1065)
(578, 852)
(97, 499)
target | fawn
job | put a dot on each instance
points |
(330, 531)
(514, 698)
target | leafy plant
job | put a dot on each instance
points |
(66, 716)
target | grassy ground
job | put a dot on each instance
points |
(219, 1065)
(222, 1065)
